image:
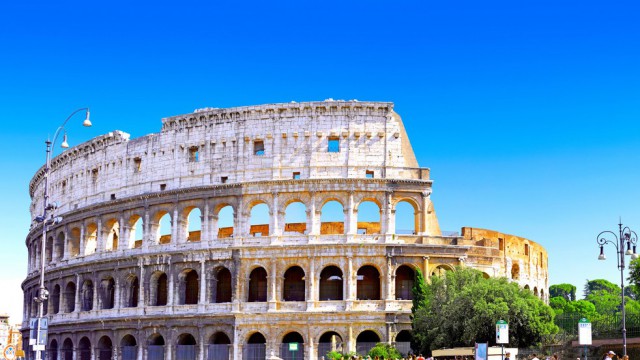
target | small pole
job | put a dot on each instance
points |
(585, 352)
(502, 345)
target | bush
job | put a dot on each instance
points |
(384, 351)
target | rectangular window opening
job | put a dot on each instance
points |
(137, 164)
(194, 154)
(369, 174)
(526, 249)
(501, 244)
(258, 147)
(163, 187)
(224, 179)
(113, 196)
(296, 175)
(334, 144)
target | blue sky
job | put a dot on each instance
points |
(526, 112)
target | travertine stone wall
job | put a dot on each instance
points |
(118, 292)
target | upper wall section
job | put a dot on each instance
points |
(309, 140)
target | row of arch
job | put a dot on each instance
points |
(219, 346)
(331, 287)
(190, 223)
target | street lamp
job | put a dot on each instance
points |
(625, 235)
(49, 220)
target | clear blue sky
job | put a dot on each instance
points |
(526, 111)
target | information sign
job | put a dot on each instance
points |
(293, 346)
(9, 352)
(584, 332)
(502, 332)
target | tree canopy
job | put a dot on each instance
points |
(462, 307)
(567, 291)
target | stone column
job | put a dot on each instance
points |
(213, 234)
(176, 223)
(388, 217)
(65, 254)
(116, 293)
(422, 219)
(236, 345)
(425, 269)
(313, 217)
(123, 239)
(311, 287)
(82, 250)
(146, 229)
(203, 284)
(272, 291)
(77, 296)
(205, 224)
(274, 212)
(349, 283)
(100, 240)
(351, 216)
(141, 283)
(390, 294)
(170, 286)
(351, 342)
(201, 341)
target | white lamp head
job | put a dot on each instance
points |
(86, 121)
(64, 144)
(602, 257)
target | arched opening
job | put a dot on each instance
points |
(485, 275)
(295, 218)
(67, 349)
(158, 289)
(368, 218)
(441, 270)
(535, 291)
(155, 347)
(259, 220)
(294, 284)
(225, 222)
(129, 348)
(59, 246)
(330, 341)
(107, 293)
(188, 287)
(368, 283)
(332, 218)
(136, 232)
(113, 234)
(105, 348)
(542, 294)
(292, 346)
(186, 348)
(194, 225)
(84, 349)
(52, 352)
(70, 297)
(526, 287)
(331, 284)
(74, 242)
(222, 286)
(91, 239)
(366, 341)
(49, 250)
(258, 285)
(403, 342)
(404, 283)
(219, 344)
(515, 272)
(55, 299)
(131, 291)
(256, 346)
(87, 296)
(406, 219)
(164, 228)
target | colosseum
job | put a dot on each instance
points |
(241, 233)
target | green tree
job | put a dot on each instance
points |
(566, 291)
(558, 303)
(384, 351)
(600, 285)
(462, 308)
(419, 290)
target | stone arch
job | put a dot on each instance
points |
(541, 293)
(131, 291)
(291, 337)
(107, 293)
(70, 297)
(129, 347)
(259, 218)
(330, 341)
(59, 245)
(369, 217)
(293, 288)
(55, 299)
(405, 278)
(331, 284)
(366, 340)
(188, 287)
(158, 289)
(221, 285)
(403, 342)
(219, 346)
(257, 285)
(105, 348)
(155, 346)
(515, 271)
(84, 349)
(368, 279)
(406, 217)
(136, 231)
(295, 217)
(87, 295)
(164, 227)
(224, 215)
(535, 291)
(256, 346)
(526, 287)
(91, 238)
(441, 269)
(49, 250)
(193, 223)
(111, 234)
(52, 353)
(485, 275)
(332, 217)
(186, 347)
(67, 349)
(74, 242)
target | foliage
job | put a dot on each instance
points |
(558, 303)
(634, 272)
(567, 291)
(605, 301)
(600, 285)
(384, 351)
(462, 308)
(419, 291)
(336, 355)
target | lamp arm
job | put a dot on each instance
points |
(603, 240)
(55, 136)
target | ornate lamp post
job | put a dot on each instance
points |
(48, 219)
(625, 235)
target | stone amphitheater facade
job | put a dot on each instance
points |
(123, 286)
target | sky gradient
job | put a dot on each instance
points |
(526, 112)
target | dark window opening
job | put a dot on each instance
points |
(163, 187)
(296, 176)
(224, 179)
(194, 154)
(369, 174)
(334, 144)
(258, 147)
(258, 285)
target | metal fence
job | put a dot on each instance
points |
(403, 347)
(254, 352)
(155, 352)
(363, 348)
(129, 352)
(186, 352)
(218, 352)
(603, 326)
(286, 354)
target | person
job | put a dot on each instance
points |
(611, 354)
(535, 357)
(420, 357)
(507, 356)
(625, 357)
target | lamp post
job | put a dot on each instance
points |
(625, 235)
(48, 219)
